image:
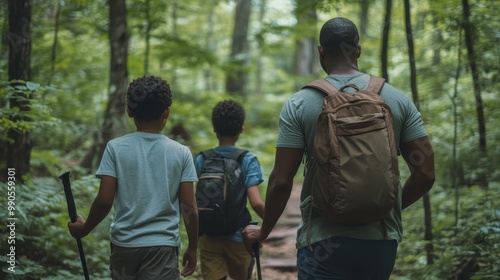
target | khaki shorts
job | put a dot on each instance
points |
(221, 257)
(157, 262)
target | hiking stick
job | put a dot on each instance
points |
(255, 248)
(72, 215)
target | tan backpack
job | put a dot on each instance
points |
(354, 165)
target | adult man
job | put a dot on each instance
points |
(342, 251)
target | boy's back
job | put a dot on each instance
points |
(150, 180)
(149, 168)
(225, 255)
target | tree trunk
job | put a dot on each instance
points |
(175, 17)
(429, 248)
(469, 42)
(54, 44)
(305, 62)
(385, 39)
(147, 37)
(411, 54)
(4, 44)
(454, 165)
(237, 72)
(437, 40)
(211, 46)
(115, 123)
(261, 44)
(17, 151)
(363, 26)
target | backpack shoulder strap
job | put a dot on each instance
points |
(376, 84)
(238, 154)
(207, 153)
(322, 85)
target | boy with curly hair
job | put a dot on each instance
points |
(225, 255)
(151, 179)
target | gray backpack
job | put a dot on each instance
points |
(354, 164)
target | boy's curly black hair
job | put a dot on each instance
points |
(228, 117)
(148, 97)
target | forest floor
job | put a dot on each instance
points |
(278, 255)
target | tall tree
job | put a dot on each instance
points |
(363, 26)
(469, 42)
(261, 43)
(305, 63)
(211, 45)
(147, 36)
(17, 150)
(413, 80)
(115, 123)
(54, 44)
(175, 34)
(237, 73)
(385, 39)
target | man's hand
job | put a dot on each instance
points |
(78, 229)
(189, 262)
(252, 235)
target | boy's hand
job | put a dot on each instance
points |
(77, 229)
(189, 262)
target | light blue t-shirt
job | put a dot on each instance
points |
(149, 169)
(251, 169)
(296, 130)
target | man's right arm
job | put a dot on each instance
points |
(278, 192)
(419, 157)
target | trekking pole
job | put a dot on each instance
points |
(72, 215)
(255, 248)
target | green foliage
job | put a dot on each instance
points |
(476, 234)
(33, 113)
(43, 245)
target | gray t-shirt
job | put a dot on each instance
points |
(149, 169)
(296, 130)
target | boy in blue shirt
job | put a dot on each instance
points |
(223, 256)
(151, 179)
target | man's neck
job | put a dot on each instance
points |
(343, 70)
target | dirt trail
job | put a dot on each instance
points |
(278, 254)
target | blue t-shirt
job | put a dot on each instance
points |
(251, 170)
(298, 120)
(149, 169)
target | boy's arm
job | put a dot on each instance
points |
(419, 157)
(189, 212)
(99, 210)
(256, 200)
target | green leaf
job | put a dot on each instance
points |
(32, 86)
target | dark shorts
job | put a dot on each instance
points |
(157, 262)
(347, 258)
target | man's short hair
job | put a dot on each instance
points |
(228, 117)
(148, 97)
(339, 36)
